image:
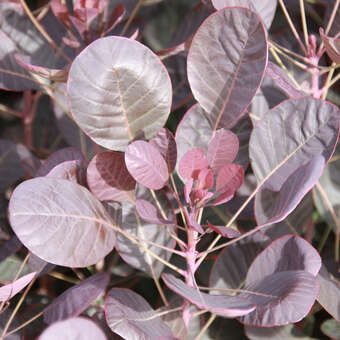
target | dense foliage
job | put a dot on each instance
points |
(177, 182)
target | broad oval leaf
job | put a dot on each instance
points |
(222, 149)
(11, 289)
(118, 91)
(76, 299)
(74, 328)
(230, 178)
(296, 132)
(108, 177)
(281, 298)
(61, 222)
(226, 63)
(224, 305)
(130, 315)
(146, 165)
(290, 252)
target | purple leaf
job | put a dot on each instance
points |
(11, 289)
(130, 98)
(329, 293)
(135, 255)
(205, 179)
(225, 231)
(146, 165)
(166, 144)
(191, 163)
(230, 178)
(149, 213)
(129, 315)
(281, 298)
(265, 8)
(76, 299)
(288, 332)
(57, 208)
(272, 206)
(74, 171)
(74, 328)
(225, 80)
(60, 156)
(289, 252)
(332, 46)
(300, 129)
(224, 305)
(282, 81)
(222, 149)
(232, 264)
(108, 177)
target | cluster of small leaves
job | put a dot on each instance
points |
(121, 195)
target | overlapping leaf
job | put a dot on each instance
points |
(146, 165)
(227, 306)
(130, 316)
(11, 289)
(224, 80)
(62, 222)
(76, 299)
(298, 133)
(108, 177)
(118, 91)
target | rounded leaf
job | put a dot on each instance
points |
(61, 222)
(226, 63)
(119, 90)
(146, 165)
(191, 163)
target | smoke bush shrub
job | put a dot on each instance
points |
(216, 220)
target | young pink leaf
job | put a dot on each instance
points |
(8, 291)
(76, 299)
(131, 98)
(130, 315)
(188, 188)
(149, 213)
(223, 80)
(224, 305)
(205, 179)
(224, 231)
(222, 149)
(230, 178)
(146, 165)
(166, 144)
(71, 329)
(191, 163)
(108, 177)
(61, 222)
